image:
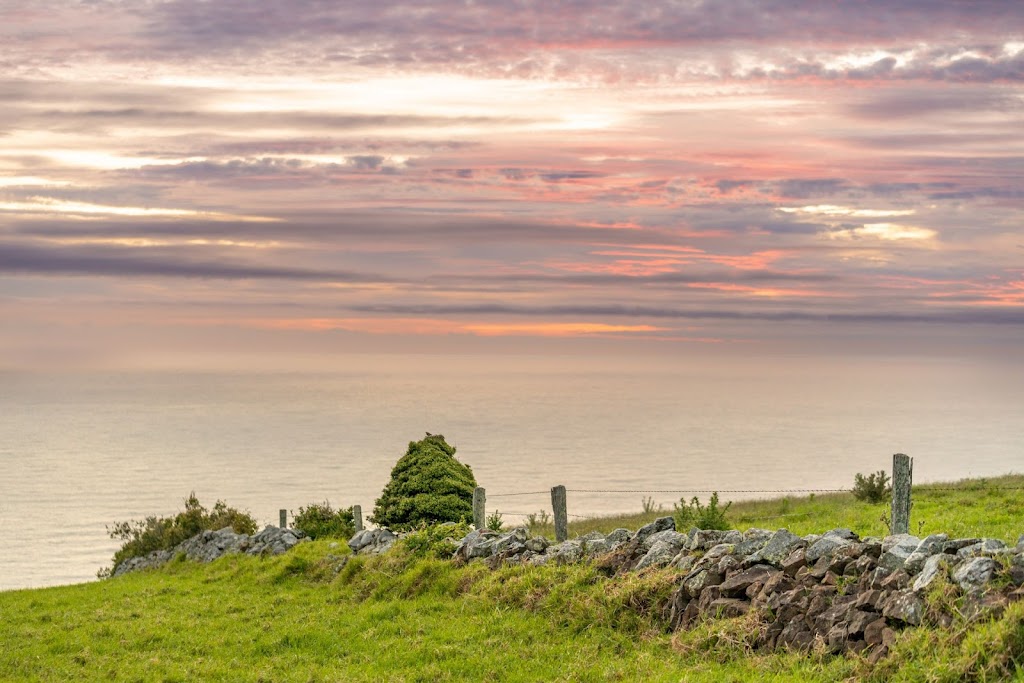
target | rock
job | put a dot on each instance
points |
(684, 561)
(663, 551)
(794, 561)
(618, 537)
(697, 581)
(900, 540)
(671, 536)
(976, 606)
(953, 546)
(537, 544)
(706, 539)
(934, 567)
(904, 606)
(843, 534)
(896, 550)
(973, 574)
(736, 585)
(513, 540)
(727, 608)
(753, 540)
(873, 632)
(869, 600)
(474, 544)
(660, 524)
(568, 552)
(777, 548)
(897, 580)
(375, 542)
(826, 545)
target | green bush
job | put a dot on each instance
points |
(873, 488)
(142, 537)
(320, 520)
(693, 514)
(436, 540)
(494, 521)
(428, 485)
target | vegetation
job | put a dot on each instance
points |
(494, 521)
(411, 615)
(693, 514)
(320, 520)
(873, 488)
(428, 485)
(142, 537)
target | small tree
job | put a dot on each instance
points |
(873, 488)
(428, 485)
(693, 514)
(320, 520)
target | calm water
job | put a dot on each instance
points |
(81, 451)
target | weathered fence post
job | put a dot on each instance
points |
(284, 518)
(561, 515)
(902, 478)
(357, 517)
(479, 507)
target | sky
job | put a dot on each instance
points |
(190, 182)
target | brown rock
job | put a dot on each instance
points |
(830, 579)
(1016, 595)
(859, 620)
(873, 631)
(862, 565)
(876, 577)
(737, 584)
(707, 596)
(870, 600)
(727, 608)
(888, 637)
(832, 616)
(818, 604)
(877, 653)
(855, 645)
(835, 639)
(689, 616)
(795, 561)
(904, 606)
(898, 580)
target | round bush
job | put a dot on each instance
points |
(428, 485)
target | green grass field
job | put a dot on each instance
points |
(400, 618)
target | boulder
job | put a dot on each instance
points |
(904, 606)
(896, 550)
(934, 567)
(973, 574)
(660, 524)
(663, 551)
(826, 545)
(736, 585)
(776, 548)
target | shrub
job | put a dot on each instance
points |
(537, 520)
(436, 540)
(693, 514)
(428, 485)
(142, 537)
(873, 488)
(320, 520)
(494, 521)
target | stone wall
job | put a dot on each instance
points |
(846, 593)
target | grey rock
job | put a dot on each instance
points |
(826, 545)
(684, 561)
(934, 567)
(670, 535)
(474, 544)
(377, 541)
(753, 541)
(513, 539)
(954, 545)
(569, 552)
(537, 544)
(597, 547)
(904, 606)
(663, 551)
(705, 539)
(896, 550)
(844, 534)
(777, 548)
(618, 537)
(974, 573)
(902, 540)
(660, 524)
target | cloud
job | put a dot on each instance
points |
(106, 261)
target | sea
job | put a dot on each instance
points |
(80, 451)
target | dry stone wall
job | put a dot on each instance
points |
(835, 589)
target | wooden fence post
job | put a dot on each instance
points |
(902, 478)
(357, 517)
(284, 518)
(479, 507)
(561, 515)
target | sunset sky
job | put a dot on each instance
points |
(183, 181)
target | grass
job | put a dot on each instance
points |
(402, 618)
(990, 508)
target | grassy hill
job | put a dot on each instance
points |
(304, 617)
